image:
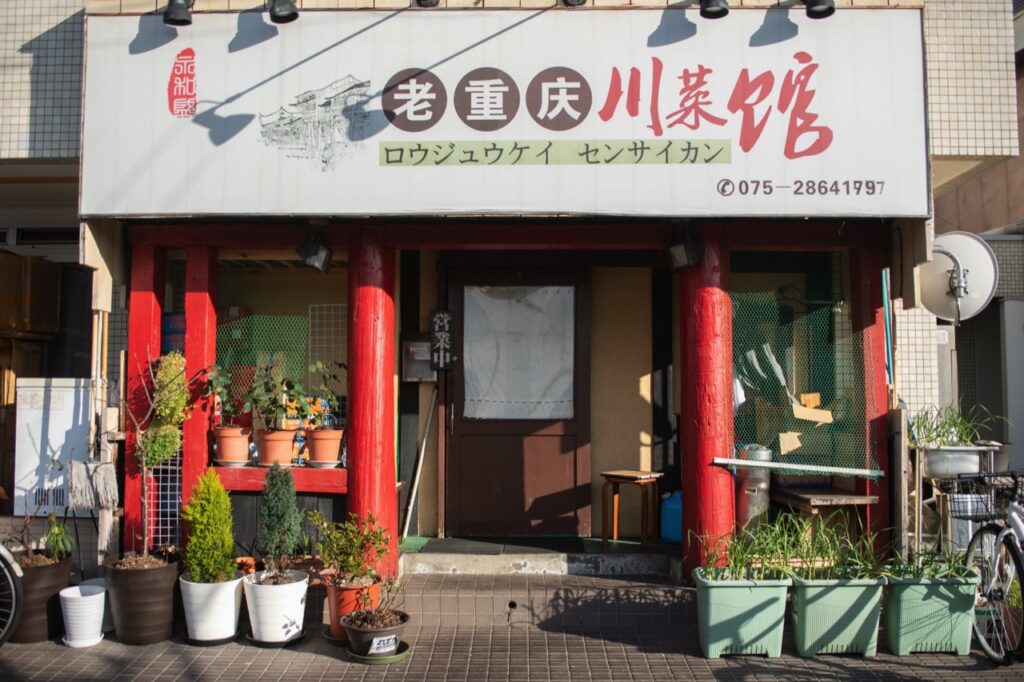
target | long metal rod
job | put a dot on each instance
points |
(786, 466)
(419, 465)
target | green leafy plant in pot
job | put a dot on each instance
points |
(930, 602)
(324, 434)
(837, 586)
(275, 399)
(741, 591)
(947, 436)
(350, 550)
(276, 597)
(232, 439)
(141, 585)
(211, 587)
(47, 570)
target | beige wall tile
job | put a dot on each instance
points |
(757, 3)
(211, 6)
(355, 4)
(492, 4)
(320, 4)
(244, 4)
(463, 4)
(537, 4)
(392, 4)
(140, 6)
(102, 6)
(649, 3)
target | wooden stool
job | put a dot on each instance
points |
(648, 483)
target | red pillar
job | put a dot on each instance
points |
(145, 300)
(371, 388)
(707, 426)
(868, 318)
(200, 353)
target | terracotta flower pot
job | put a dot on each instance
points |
(324, 445)
(275, 446)
(41, 616)
(232, 443)
(142, 601)
(342, 601)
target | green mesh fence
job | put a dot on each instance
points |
(799, 384)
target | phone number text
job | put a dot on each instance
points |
(727, 187)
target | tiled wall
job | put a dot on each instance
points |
(1010, 256)
(40, 78)
(971, 85)
(917, 363)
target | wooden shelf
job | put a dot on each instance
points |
(250, 479)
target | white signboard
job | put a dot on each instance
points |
(639, 112)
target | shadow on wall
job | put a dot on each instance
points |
(56, 89)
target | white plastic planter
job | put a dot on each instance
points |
(211, 609)
(83, 607)
(108, 616)
(276, 611)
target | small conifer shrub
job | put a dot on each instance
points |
(209, 555)
(280, 520)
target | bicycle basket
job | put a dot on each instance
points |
(984, 497)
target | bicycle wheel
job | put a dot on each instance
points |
(998, 616)
(10, 600)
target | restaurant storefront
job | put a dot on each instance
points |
(630, 217)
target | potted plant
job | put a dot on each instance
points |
(46, 573)
(232, 440)
(323, 437)
(947, 439)
(929, 604)
(837, 588)
(276, 597)
(741, 592)
(211, 587)
(376, 631)
(349, 550)
(141, 585)
(273, 399)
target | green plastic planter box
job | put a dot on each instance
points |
(836, 616)
(930, 615)
(740, 616)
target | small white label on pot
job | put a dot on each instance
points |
(384, 645)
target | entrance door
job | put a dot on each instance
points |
(518, 461)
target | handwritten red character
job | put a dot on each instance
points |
(747, 94)
(796, 92)
(611, 102)
(181, 86)
(694, 100)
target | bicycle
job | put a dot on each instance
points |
(11, 600)
(994, 553)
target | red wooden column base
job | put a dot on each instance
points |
(707, 428)
(371, 392)
(144, 318)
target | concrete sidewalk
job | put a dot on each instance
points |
(514, 651)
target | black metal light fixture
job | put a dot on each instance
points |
(820, 9)
(573, 3)
(714, 9)
(427, 3)
(283, 11)
(178, 13)
(313, 252)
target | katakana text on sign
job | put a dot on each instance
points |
(555, 152)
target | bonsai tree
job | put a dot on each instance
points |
(280, 521)
(350, 548)
(159, 428)
(209, 554)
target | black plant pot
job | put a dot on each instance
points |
(372, 642)
(142, 601)
(41, 618)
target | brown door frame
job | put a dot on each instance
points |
(458, 269)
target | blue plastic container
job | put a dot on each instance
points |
(172, 333)
(672, 518)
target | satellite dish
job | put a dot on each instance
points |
(960, 279)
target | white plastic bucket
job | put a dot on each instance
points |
(211, 609)
(83, 607)
(276, 612)
(108, 615)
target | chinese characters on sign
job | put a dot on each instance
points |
(181, 86)
(559, 99)
(440, 340)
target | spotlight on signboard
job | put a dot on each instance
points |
(427, 3)
(283, 11)
(574, 3)
(178, 13)
(314, 254)
(714, 9)
(685, 253)
(820, 9)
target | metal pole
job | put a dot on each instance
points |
(419, 465)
